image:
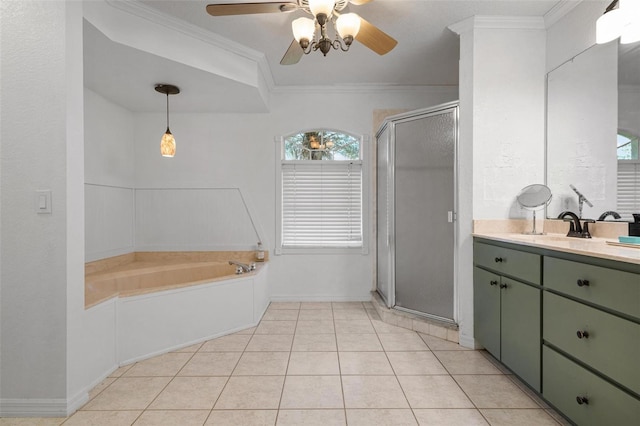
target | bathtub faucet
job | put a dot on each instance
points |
(243, 267)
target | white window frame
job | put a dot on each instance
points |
(364, 150)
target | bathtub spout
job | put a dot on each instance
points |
(243, 266)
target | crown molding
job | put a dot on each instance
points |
(364, 89)
(558, 11)
(194, 31)
(498, 23)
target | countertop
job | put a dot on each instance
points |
(594, 247)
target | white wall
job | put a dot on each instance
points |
(33, 277)
(109, 178)
(629, 109)
(237, 151)
(501, 147)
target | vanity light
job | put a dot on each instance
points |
(168, 142)
(621, 19)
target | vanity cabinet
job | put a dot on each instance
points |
(591, 338)
(507, 308)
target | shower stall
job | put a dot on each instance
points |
(416, 211)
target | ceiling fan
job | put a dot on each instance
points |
(348, 26)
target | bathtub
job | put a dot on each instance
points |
(165, 301)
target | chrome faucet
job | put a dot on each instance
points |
(243, 267)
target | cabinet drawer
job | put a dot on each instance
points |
(613, 289)
(564, 381)
(519, 264)
(612, 345)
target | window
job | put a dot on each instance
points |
(320, 199)
(628, 174)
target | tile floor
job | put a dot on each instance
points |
(313, 364)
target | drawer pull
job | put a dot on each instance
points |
(499, 260)
(582, 400)
(503, 286)
(582, 334)
(493, 282)
(583, 283)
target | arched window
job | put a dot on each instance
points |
(320, 194)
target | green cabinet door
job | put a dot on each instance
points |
(486, 308)
(520, 331)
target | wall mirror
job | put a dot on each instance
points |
(593, 125)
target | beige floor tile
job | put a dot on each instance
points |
(487, 391)
(373, 392)
(415, 363)
(402, 342)
(381, 417)
(557, 417)
(100, 418)
(276, 327)
(189, 393)
(358, 342)
(346, 305)
(172, 417)
(162, 365)
(524, 388)
(211, 364)
(280, 314)
(354, 327)
(100, 387)
(384, 328)
(520, 417)
(368, 305)
(315, 327)
(315, 314)
(503, 369)
(242, 418)
(351, 313)
(310, 392)
(190, 349)
(128, 393)
(315, 305)
(270, 342)
(120, 371)
(231, 343)
(284, 305)
(262, 364)
(314, 342)
(433, 392)
(466, 362)
(365, 363)
(32, 421)
(313, 364)
(251, 392)
(373, 315)
(450, 417)
(437, 344)
(311, 418)
(249, 330)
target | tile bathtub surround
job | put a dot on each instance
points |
(357, 371)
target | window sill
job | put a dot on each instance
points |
(321, 250)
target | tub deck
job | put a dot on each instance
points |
(145, 272)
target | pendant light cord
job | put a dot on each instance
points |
(167, 111)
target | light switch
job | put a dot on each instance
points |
(43, 201)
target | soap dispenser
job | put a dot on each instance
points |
(260, 252)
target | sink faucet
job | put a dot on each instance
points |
(604, 215)
(575, 229)
(243, 266)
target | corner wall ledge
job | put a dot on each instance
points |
(414, 322)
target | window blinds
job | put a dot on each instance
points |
(628, 187)
(322, 204)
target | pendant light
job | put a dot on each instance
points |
(168, 142)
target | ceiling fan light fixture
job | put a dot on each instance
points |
(322, 7)
(303, 29)
(348, 26)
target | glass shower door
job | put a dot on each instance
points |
(383, 219)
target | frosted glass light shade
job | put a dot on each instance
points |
(609, 26)
(348, 25)
(631, 10)
(322, 6)
(168, 145)
(631, 33)
(303, 28)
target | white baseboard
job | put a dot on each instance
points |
(297, 298)
(33, 407)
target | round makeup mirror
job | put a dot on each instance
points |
(534, 197)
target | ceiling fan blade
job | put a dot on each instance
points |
(359, 2)
(293, 54)
(374, 38)
(250, 8)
